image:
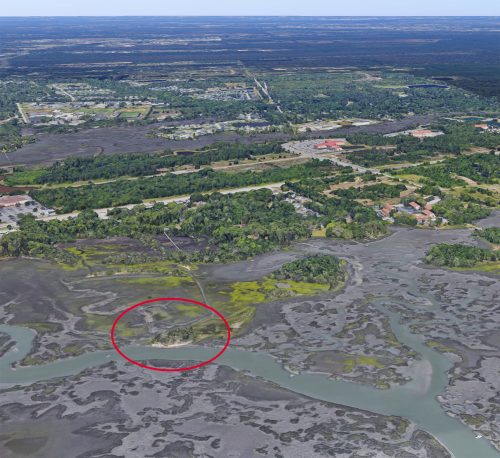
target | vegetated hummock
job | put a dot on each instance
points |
(175, 336)
(324, 269)
(459, 255)
(491, 234)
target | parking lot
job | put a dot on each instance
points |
(306, 148)
(10, 212)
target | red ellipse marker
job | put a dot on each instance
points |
(169, 369)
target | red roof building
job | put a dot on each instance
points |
(424, 133)
(12, 201)
(386, 210)
(422, 217)
(335, 144)
(414, 205)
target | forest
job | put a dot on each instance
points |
(355, 230)
(11, 138)
(123, 192)
(237, 226)
(373, 192)
(457, 138)
(481, 168)
(307, 96)
(324, 269)
(459, 255)
(457, 212)
(342, 217)
(76, 169)
(491, 234)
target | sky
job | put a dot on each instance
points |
(250, 7)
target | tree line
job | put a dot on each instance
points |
(482, 168)
(491, 234)
(134, 165)
(124, 192)
(459, 255)
(237, 226)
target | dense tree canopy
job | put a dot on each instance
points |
(481, 168)
(123, 192)
(319, 268)
(237, 226)
(491, 234)
(135, 165)
(459, 255)
(373, 192)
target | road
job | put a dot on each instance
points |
(136, 139)
(261, 87)
(5, 121)
(22, 113)
(64, 91)
(163, 172)
(306, 149)
(103, 212)
(265, 90)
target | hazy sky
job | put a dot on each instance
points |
(250, 7)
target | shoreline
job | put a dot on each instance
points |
(172, 345)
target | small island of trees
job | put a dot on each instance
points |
(491, 234)
(175, 336)
(319, 268)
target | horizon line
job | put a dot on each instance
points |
(252, 16)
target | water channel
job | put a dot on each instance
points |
(416, 400)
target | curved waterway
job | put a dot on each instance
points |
(416, 400)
